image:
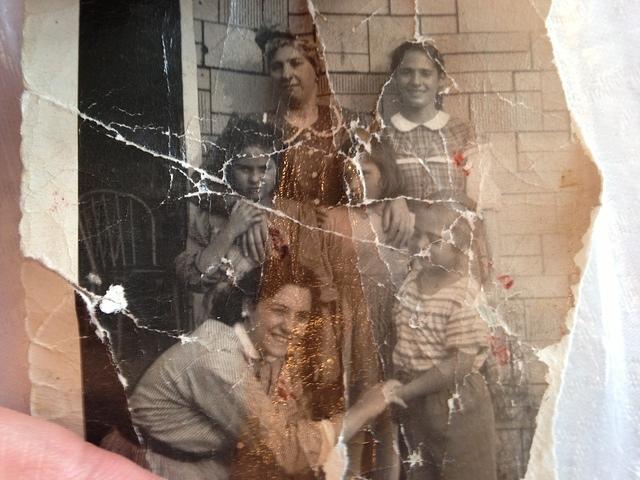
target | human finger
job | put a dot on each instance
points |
(321, 216)
(396, 236)
(244, 243)
(34, 448)
(395, 400)
(407, 231)
(261, 240)
(386, 218)
(251, 239)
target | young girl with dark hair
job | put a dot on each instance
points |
(432, 148)
(246, 162)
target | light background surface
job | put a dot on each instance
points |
(597, 420)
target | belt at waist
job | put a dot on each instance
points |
(167, 450)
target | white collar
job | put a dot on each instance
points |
(436, 123)
(245, 342)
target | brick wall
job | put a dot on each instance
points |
(503, 80)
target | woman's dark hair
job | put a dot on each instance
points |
(270, 41)
(263, 283)
(429, 49)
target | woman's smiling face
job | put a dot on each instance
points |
(418, 80)
(275, 320)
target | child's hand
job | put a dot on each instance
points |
(328, 295)
(254, 240)
(243, 216)
(397, 223)
(372, 402)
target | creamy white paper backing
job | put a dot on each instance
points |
(49, 226)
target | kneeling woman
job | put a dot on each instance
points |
(223, 390)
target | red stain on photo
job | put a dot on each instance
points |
(458, 159)
(500, 349)
(59, 202)
(283, 392)
(279, 243)
(506, 281)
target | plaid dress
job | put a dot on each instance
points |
(431, 156)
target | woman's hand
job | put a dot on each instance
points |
(33, 448)
(396, 222)
(391, 392)
(371, 404)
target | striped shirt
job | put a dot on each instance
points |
(431, 156)
(430, 326)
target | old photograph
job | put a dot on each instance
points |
(322, 239)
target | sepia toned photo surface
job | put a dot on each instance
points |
(323, 239)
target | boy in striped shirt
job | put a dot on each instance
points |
(448, 426)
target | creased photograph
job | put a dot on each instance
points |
(303, 239)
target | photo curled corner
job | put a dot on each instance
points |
(267, 204)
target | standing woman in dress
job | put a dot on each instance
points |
(311, 179)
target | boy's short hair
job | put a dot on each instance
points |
(262, 283)
(461, 211)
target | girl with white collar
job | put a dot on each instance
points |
(433, 150)
(432, 147)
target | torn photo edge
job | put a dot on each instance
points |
(51, 114)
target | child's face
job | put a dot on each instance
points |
(367, 175)
(418, 80)
(253, 173)
(372, 179)
(436, 240)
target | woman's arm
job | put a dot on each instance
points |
(238, 404)
(444, 375)
(368, 407)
